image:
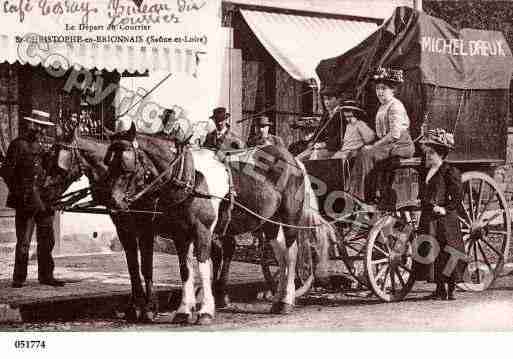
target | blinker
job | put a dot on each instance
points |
(64, 159)
(128, 160)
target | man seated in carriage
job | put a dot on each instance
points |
(328, 138)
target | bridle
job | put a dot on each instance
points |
(75, 157)
(172, 175)
(70, 176)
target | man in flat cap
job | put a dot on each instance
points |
(24, 173)
(262, 136)
(222, 138)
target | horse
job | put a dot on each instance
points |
(75, 156)
(200, 195)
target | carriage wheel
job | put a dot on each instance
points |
(389, 259)
(304, 266)
(486, 229)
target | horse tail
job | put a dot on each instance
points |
(323, 233)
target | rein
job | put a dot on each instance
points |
(75, 155)
(189, 188)
(158, 182)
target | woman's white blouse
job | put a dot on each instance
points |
(392, 118)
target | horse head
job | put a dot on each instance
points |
(72, 157)
(130, 169)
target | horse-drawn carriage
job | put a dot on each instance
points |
(456, 80)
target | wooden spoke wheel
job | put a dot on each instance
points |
(304, 266)
(352, 246)
(486, 229)
(389, 258)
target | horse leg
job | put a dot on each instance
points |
(185, 257)
(216, 254)
(221, 297)
(279, 248)
(203, 241)
(290, 287)
(129, 243)
(146, 239)
(283, 301)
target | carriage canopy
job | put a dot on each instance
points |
(455, 79)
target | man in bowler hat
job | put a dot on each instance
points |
(24, 173)
(262, 136)
(222, 138)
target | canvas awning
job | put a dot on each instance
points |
(103, 56)
(299, 43)
(112, 35)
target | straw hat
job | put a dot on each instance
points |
(39, 117)
(388, 75)
(438, 137)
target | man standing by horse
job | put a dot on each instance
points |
(262, 136)
(24, 174)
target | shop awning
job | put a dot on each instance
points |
(102, 56)
(124, 35)
(299, 43)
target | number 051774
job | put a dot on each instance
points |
(29, 344)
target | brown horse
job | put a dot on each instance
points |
(75, 156)
(195, 191)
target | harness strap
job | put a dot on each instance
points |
(227, 211)
(156, 181)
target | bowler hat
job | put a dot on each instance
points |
(39, 117)
(220, 114)
(263, 121)
(329, 90)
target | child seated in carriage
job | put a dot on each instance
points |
(357, 132)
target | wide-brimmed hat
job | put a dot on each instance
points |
(438, 137)
(39, 117)
(220, 114)
(262, 121)
(353, 106)
(388, 75)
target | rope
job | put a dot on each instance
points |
(253, 213)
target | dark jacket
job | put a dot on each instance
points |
(23, 172)
(229, 141)
(331, 131)
(269, 140)
(443, 189)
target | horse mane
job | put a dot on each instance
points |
(158, 149)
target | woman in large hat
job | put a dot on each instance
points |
(393, 133)
(441, 195)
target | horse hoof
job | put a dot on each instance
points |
(281, 308)
(222, 301)
(131, 315)
(287, 308)
(205, 319)
(276, 307)
(147, 317)
(183, 319)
